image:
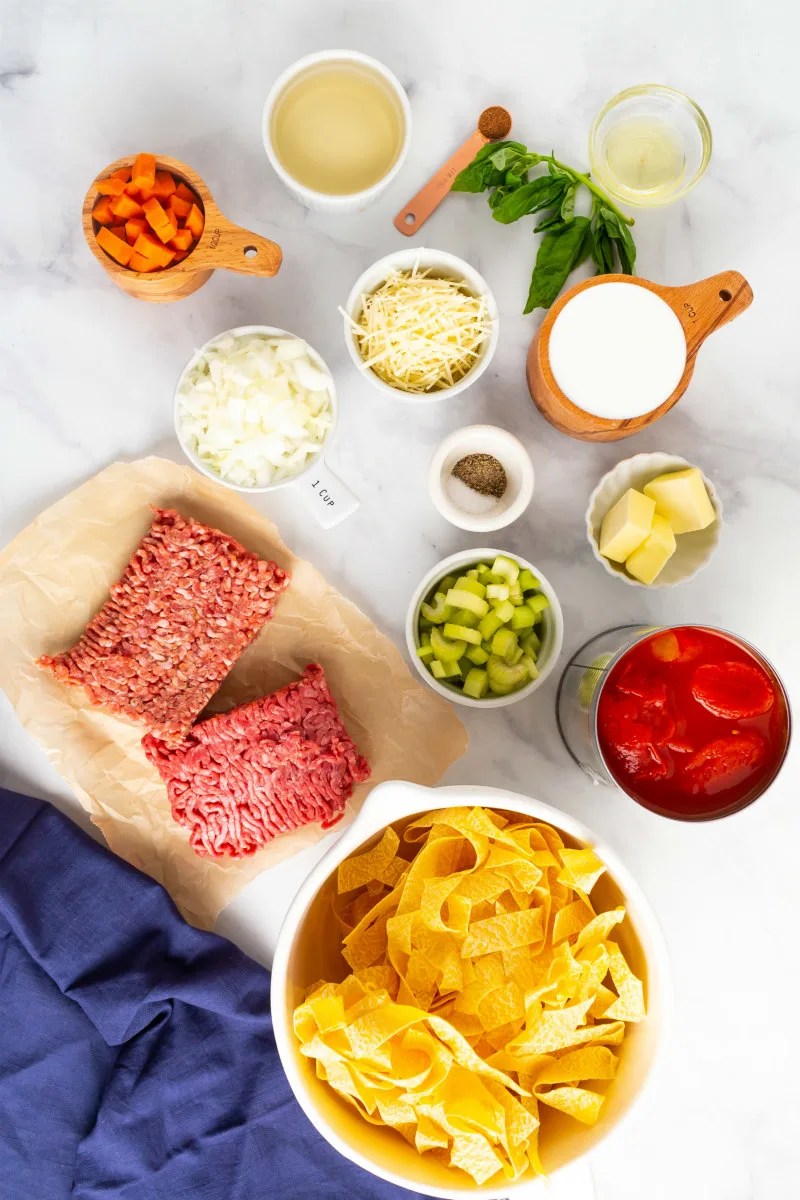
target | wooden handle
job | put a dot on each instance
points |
(708, 304)
(417, 211)
(232, 248)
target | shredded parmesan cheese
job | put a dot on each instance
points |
(419, 333)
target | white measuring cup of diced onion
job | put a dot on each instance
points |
(267, 430)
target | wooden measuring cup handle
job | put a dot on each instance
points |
(428, 198)
(708, 304)
(228, 246)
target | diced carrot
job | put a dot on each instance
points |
(123, 173)
(152, 248)
(185, 193)
(116, 247)
(102, 211)
(118, 231)
(180, 255)
(195, 221)
(132, 190)
(125, 207)
(133, 228)
(165, 225)
(113, 186)
(140, 263)
(180, 207)
(143, 174)
(181, 240)
(164, 185)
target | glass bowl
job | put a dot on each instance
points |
(653, 123)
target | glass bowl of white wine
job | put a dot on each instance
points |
(649, 145)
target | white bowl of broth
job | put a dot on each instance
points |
(336, 129)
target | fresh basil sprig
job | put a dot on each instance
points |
(501, 168)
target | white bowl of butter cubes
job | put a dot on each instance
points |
(654, 520)
(484, 628)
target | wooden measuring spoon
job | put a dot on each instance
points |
(700, 307)
(494, 125)
(221, 244)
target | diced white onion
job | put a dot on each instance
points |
(255, 408)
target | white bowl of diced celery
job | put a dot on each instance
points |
(484, 628)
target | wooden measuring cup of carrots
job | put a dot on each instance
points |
(154, 226)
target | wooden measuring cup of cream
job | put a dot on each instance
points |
(617, 352)
(221, 245)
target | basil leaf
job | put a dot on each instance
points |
(488, 167)
(544, 192)
(554, 221)
(602, 249)
(559, 254)
(507, 156)
(568, 203)
(618, 231)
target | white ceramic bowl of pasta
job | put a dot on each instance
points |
(693, 550)
(442, 265)
(307, 951)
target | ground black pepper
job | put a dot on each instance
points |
(483, 473)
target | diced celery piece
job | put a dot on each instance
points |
(504, 643)
(527, 580)
(505, 674)
(464, 666)
(477, 655)
(483, 570)
(446, 670)
(425, 653)
(476, 684)
(522, 618)
(530, 666)
(531, 644)
(445, 649)
(438, 612)
(465, 584)
(487, 646)
(537, 603)
(461, 599)
(445, 584)
(473, 574)
(517, 655)
(497, 591)
(515, 595)
(490, 625)
(506, 567)
(462, 616)
(504, 610)
(492, 578)
(461, 632)
(425, 639)
(497, 689)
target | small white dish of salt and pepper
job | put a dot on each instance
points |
(481, 478)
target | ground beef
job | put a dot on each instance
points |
(188, 603)
(242, 778)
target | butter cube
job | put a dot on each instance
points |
(647, 561)
(682, 498)
(626, 525)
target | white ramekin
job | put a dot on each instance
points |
(508, 450)
(445, 265)
(330, 499)
(692, 551)
(301, 959)
(321, 200)
(551, 629)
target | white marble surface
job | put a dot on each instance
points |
(88, 374)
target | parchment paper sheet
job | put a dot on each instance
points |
(55, 576)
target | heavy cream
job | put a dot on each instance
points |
(617, 350)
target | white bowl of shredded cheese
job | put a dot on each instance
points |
(421, 324)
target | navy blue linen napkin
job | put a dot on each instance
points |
(137, 1059)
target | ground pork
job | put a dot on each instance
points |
(188, 603)
(240, 779)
